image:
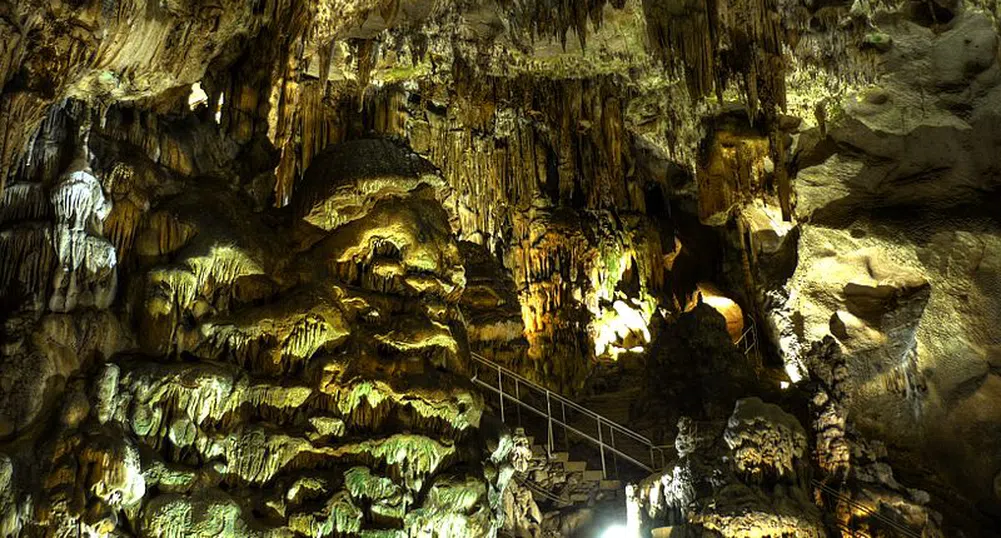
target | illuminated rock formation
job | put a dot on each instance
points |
(897, 259)
(278, 388)
(749, 478)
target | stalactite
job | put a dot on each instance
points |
(320, 125)
(22, 114)
(27, 259)
(557, 18)
(284, 96)
(24, 202)
(732, 172)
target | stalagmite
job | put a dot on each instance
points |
(86, 272)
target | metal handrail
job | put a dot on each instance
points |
(865, 509)
(539, 490)
(748, 340)
(654, 456)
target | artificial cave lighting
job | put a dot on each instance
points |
(219, 108)
(197, 97)
(728, 308)
(616, 531)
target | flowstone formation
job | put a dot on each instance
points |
(898, 248)
(748, 476)
(751, 475)
(855, 482)
(311, 386)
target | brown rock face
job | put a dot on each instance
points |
(299, 388)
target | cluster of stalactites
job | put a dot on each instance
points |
(558, 18)
(129, 49)
(51, 242)
(87, 261)
(502, 144)
(734, 171)
(715, 41)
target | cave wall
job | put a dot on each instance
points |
(185, 370)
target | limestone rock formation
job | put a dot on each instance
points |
(898, 240)
(694, 370)
(276, 388)
(749, 478)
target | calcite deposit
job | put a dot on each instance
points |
(259, 258)
(278, 384)
(747, 477)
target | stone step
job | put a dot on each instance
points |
(661, 532)
(563, 457)
(580, 498)
(573, 466)
(610, 485)
(593, 476)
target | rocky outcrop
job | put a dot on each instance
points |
(276, 387)
(491, 308)
(920, 138)
(856, 483)
(694, 371)
(747, 478)
(897, 242)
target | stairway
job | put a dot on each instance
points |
(566, 481)
(596, 450)
(518, 400)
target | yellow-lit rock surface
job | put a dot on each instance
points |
(276, 387)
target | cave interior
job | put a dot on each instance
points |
(500, 268)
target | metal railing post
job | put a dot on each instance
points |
(601, 446)
(549, 420)
(566, 436)
(500, 392)
(517, 397)
(658, 459)
(615, 458)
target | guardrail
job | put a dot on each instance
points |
(748, 342)
(612, 439)
(889, 523)
(541, 491)
(609, 436)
